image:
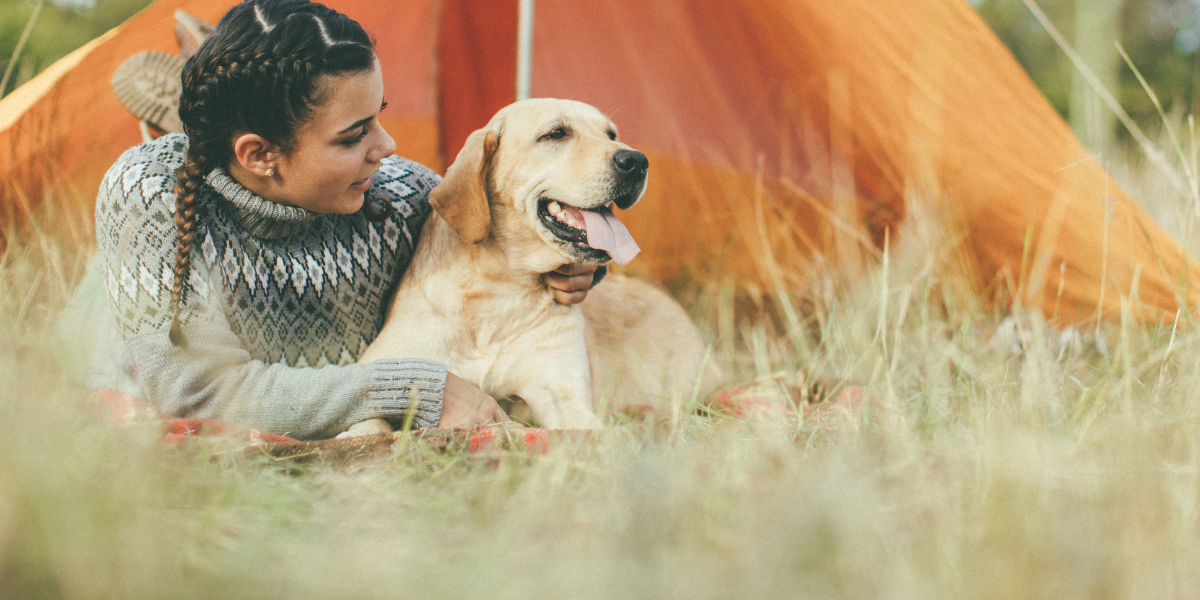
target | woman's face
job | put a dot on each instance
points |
(338, 149)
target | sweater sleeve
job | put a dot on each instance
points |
(214, 376)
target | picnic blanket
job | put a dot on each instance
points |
(821, 402)
(120, 410)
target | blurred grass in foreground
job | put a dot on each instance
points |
(1027, 462)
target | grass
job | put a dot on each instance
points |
(1025, 461)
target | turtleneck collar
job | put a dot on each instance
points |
(261, 218)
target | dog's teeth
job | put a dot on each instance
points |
(554, 208)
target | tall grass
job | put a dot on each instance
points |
(1002, 458)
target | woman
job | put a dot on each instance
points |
(291, 222)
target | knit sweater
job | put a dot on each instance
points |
(279, 303)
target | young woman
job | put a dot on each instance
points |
(247, 261)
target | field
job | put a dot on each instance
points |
(1002, 457)
(998, 456)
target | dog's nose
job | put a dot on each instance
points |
(631, 162)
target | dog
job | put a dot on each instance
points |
(531, 191)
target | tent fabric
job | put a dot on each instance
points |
(776, 129)
(887, 101)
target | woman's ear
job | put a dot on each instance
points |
(255, 154)
(461, 198)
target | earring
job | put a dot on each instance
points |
(270, 171)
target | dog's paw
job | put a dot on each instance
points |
(636, 413)
(368, 427)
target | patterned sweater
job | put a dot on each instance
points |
(279, 303)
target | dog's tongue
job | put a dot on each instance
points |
(605, 232)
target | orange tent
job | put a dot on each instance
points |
(773, 126)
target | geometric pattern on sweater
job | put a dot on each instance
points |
(296, 287)
(135, 236)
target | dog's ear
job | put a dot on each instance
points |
(461, 198)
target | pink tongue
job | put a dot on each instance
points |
(605, 232)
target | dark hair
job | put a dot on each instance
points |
(260, 73)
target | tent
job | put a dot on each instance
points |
(775, 129)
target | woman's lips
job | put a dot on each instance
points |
(362, 185)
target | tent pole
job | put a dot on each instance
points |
(524, 49)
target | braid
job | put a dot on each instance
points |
(190, 177)
(259, 72)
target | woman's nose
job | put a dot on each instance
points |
(384, 147)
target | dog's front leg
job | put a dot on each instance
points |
(562, 404)
(556, 383)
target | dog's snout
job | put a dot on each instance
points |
(631, 162)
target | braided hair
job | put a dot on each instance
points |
(260, 73)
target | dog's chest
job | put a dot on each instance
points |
(487, 334)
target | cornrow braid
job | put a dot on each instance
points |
(260, 72)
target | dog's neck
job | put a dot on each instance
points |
(465, 302)
(443, 258)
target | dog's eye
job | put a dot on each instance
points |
(612, 135)
(557, 133)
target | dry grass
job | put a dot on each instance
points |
(1025, 463)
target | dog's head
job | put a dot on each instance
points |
(528, 179)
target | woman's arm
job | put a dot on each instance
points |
(213, 377)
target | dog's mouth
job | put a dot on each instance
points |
(566, 222)
(594, 229)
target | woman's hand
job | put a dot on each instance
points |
(465, 406)
(570, 283)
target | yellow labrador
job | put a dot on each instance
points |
(532, 190)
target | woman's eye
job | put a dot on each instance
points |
(557, 133)
(356, 139)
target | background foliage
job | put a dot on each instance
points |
(1160, 36)
(62, 26)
